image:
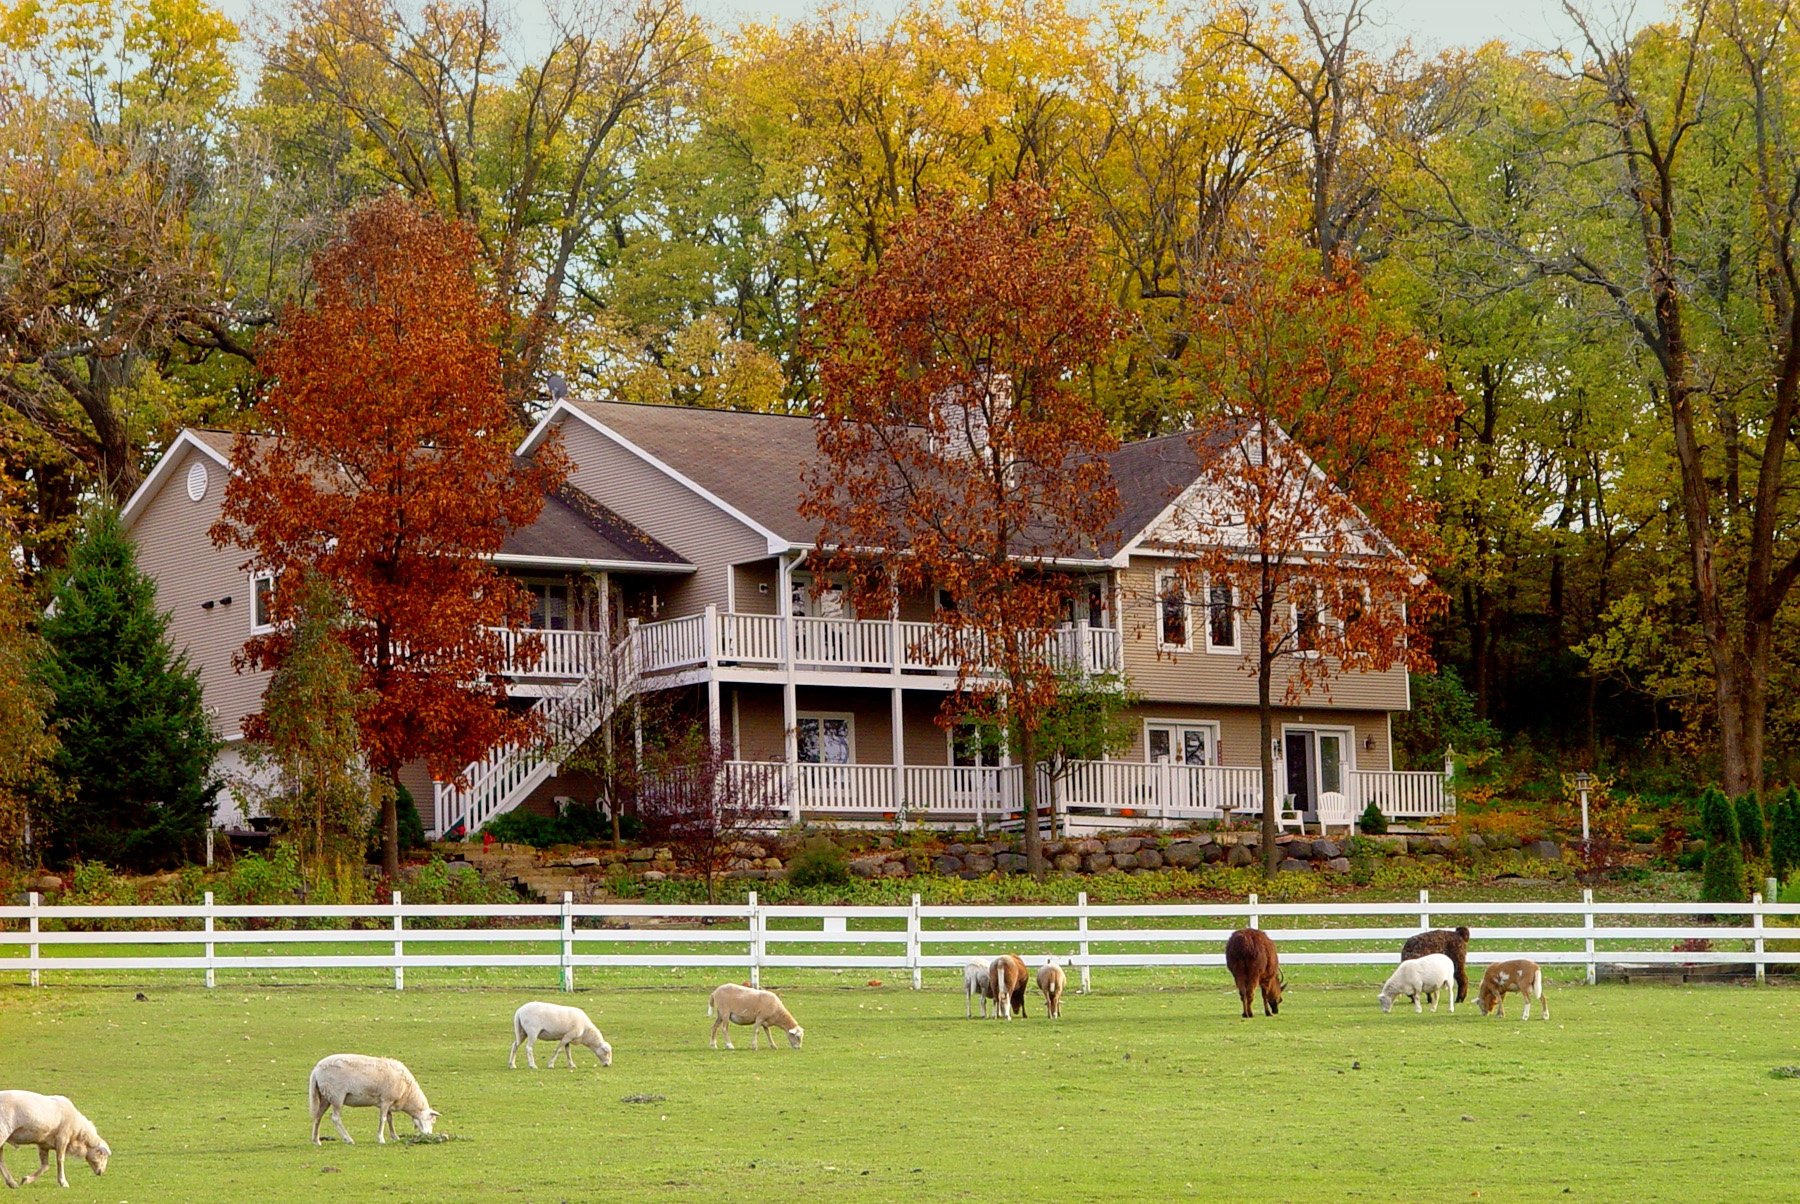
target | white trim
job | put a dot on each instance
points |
(1210, 726)
(776, 543)
(1187, 606)
(849, 719)
(1236, 647)
(166, 466)
(577, 562)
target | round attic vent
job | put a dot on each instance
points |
(196, 482)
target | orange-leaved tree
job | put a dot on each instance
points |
(388, 470)
(960, 452)
(1305, 534)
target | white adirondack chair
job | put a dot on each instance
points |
(1334, 808)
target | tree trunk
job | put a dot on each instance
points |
(1034, 845)
(390, 824)
(1265, 722)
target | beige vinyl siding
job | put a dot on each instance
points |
(926, 743)
(1240, 734)
(759, 731)
(701, 533)
(417, 780)
(1201, 676)
(755, 586)
(176, 552)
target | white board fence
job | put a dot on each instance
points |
(753, 937)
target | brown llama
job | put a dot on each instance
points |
(1452, 943)
(1250, 956)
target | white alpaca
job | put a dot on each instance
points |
(975, 982)
(565, 1025)
(362, 1082)
(49, 1122)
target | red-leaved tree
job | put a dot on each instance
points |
(957, 440)
(1305, 525)
(388, 470)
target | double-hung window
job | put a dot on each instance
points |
(1172, 626)
(1221, 618)
(825, 739)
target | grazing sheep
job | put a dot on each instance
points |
(1426, 976)
(49, 1122)
(975, 982)
(1051, 981)
(362, 1082)
(1521, 975)
(564, 1025)
(1452, 943)
(1007, 979)
(761, 1010)
(1251, 958)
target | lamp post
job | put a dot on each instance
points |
(1584, 780)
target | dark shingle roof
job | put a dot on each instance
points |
(756, 463)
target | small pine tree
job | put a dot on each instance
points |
(1373, 822)
(1784, 843)
(1753, 826)
(1722, 875)
(137, 749)
(1718, 818)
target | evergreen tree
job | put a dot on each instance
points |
(1784, 846)
(1722, 874)
(1753, 826)
(137, 750)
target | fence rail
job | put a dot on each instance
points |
(753, 937)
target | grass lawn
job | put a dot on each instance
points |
(1151, 1087)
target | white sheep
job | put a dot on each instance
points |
(761, 1010)
(975, 982)
(565, 1025)
(363, 1082)
(49, 1122)
(1052, 982)
(1421, 976)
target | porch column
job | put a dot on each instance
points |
(897, 726)
(790, 720)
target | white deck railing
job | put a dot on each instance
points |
(753, 937)
(1092, 794)
(562, 654)
(853, 645)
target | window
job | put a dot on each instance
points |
(1181, 743)
(549, 605)
(1221, 619)
(975, 745)
(1172, 612)
(825, 739)
(946, 601)
(262, 599)
(1308, 616)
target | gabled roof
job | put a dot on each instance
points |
(572, 530)
(753, 465)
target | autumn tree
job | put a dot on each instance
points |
(26, 742)
(954, 433)
(692, 799)
(390, 474)
(1305, 528)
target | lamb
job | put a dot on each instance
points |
(1420, 976)
(975, 982)
(1521, 975)
(564, 1025)
(49, 1122)
(761, 1010)
(362, 1082)
(1051, 980)
(1007, 978)
(1452, 942)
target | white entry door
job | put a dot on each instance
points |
(1315, 760)
(1184, 747)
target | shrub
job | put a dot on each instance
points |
(1784, 843)
(1753, 826)
(820, 863)
(260, 879)
(1718, 818)
(1722, 875)
(406, 813)
(574, 824)
(1373, 822)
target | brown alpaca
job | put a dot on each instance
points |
(1452, 943)
(1250, 956)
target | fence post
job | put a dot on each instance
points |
(1424, 908)
(912, 944)
(756, 950)
(35, 980)
(1587, 922)
(1081, 926)
(1756, 922)
(1255, 920)
(568, 940)
(208, 921)
(399, 947)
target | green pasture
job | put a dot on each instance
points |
(1150, 1087)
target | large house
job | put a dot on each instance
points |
(675, 564)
